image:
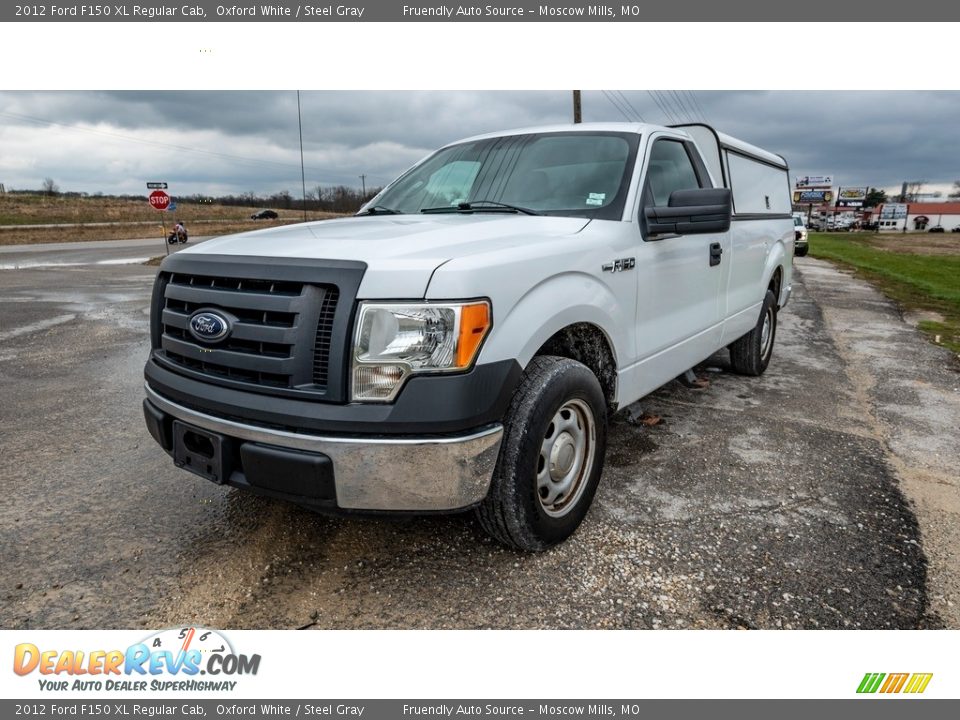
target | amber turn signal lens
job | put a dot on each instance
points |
(474, 324)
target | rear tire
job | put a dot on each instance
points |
(551, 457)
(751, 354)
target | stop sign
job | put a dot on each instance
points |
(159, 200)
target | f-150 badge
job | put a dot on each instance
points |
(620, 264)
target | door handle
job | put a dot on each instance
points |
(715, 252)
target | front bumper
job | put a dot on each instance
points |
(407, 474)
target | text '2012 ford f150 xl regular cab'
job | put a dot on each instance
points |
(460, 342)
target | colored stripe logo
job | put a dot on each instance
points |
(912, 683)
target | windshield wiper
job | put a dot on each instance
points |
(483, 205)
(379, 210)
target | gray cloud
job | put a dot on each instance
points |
(233, 141)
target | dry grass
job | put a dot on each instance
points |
(133, 218)
(914, 243)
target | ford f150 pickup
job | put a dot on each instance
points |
(460, 342)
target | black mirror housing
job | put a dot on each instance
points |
(688, 212)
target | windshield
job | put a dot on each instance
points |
(582, 174)
(797, 221)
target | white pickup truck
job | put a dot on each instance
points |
(461, 341)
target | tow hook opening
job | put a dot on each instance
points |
(198, 444)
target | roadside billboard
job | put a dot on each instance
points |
(852, 197)
(893, 212)
(812, 197)
(804, 182)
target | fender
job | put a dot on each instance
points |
(780, 255)
(550, 306)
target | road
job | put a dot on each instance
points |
(76, 254)
(822, 495)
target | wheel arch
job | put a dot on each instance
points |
(574, 316)
(589, 345)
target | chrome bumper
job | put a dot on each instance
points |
(398, 473)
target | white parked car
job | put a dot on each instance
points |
(800, 236)
(460, 343)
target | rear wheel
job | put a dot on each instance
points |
(551, 456)
(750, 355)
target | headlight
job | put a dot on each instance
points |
(394, 341)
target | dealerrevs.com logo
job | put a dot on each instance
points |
(168, 660)
(893, 683)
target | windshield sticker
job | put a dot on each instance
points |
(596, 198)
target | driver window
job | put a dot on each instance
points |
(669, 169)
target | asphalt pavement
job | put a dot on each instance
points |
(821, 495)
(96, 252)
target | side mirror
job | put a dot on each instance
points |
(688, 212)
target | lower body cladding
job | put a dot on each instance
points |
(399, 474)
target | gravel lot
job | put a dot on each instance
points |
(822, 495)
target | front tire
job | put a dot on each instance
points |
(551, 457)
(751, 354)
(802, 251)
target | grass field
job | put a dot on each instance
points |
(127, 218)
(919, 271)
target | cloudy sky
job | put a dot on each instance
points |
(233, 142)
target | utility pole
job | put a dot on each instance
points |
(363, 182)
(303, 174)
(577, 114)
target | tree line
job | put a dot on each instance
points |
(335, 198)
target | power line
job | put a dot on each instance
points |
(630, 105)
(673, 105)
(692, 103)
(616, 104)
(667, 113)
(687, 117)
(619, 109)
(699, 107)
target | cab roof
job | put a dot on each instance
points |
(725, 140)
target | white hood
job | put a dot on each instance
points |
(401, 251)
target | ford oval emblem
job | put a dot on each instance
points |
(209, 326)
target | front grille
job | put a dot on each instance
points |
(280, 337)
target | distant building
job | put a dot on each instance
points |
(921, 216)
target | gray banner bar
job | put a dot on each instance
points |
(499, 11)
(854, 709)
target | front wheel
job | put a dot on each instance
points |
(802, 251)
(551, 457)
(750, 355)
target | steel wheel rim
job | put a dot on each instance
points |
(566, 458)
(766, 332)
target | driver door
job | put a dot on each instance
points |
(679, 310)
